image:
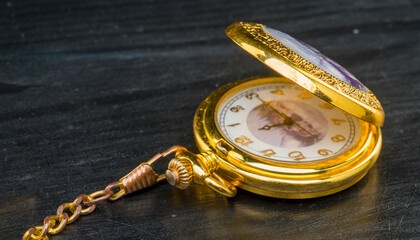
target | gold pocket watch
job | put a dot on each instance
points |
(311, 132)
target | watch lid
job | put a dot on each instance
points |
(308, 68)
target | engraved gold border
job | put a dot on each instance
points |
(256, 41)
(257, 31)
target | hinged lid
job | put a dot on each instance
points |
(308, 68)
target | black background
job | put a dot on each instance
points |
(90, 89)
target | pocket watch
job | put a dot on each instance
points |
(312, 131)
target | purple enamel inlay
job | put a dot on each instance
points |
(317, 58)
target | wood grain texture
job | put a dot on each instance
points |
(88, 89)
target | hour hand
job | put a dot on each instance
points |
(268, 127)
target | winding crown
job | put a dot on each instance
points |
(180, 173)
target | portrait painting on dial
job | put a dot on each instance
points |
(314, 124)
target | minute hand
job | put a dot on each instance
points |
(286, 118)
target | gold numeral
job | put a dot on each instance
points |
(243, 140)
(326, 105)
(251, 95)
(324, 152)
(305, 95)
(338, 138)
(268, 152)
(232, 125)
(337, 121)
(236, 108)
(296, 155)
(278, 92)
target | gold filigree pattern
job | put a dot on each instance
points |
(259, 34)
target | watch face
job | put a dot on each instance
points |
(283, 122)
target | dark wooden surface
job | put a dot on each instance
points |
(90, 89)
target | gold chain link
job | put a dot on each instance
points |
(54, 224)
(141, 177)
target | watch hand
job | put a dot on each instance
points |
(267, 104)
(289, 120)
(268, 127)
(315, 138)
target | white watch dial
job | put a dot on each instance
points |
(283, 122)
